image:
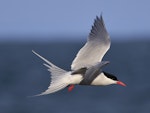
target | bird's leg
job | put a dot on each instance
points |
(70, 87)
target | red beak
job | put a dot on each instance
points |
(121, 83)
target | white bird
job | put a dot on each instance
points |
(86, 68)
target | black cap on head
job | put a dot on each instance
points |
(111, 76)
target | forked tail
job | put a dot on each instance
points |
(58, 77)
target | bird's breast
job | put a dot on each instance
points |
(99, 80)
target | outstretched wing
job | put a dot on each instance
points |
(97, 45)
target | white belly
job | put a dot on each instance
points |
(75, 79)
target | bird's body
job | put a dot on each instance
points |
(86, 68)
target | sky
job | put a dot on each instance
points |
(63, 18)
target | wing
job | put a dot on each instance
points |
(93, 72)
(97, 45)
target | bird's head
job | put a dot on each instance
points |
(113, 79)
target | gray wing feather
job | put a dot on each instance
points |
(93, 72)
(97, 45)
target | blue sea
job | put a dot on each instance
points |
(22, 75)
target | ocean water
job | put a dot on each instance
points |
(22, 74)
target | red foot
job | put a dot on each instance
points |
(70, 88)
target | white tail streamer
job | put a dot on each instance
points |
(59, 77)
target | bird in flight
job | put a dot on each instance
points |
(86, 68)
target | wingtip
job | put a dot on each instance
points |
(100, 20)
(100, 17)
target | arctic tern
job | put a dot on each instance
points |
(86, 68)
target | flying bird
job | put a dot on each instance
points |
(86, 68)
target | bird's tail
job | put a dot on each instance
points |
(59, 77)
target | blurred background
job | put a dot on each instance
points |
(57, 30)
